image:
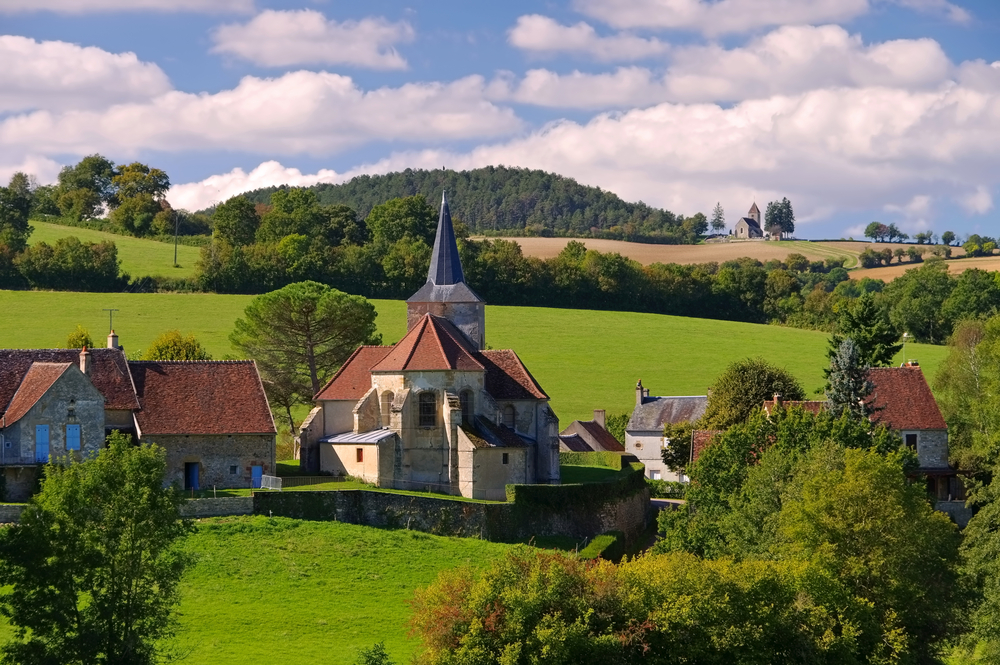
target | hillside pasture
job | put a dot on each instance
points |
(545, 248)
(139, 257)
(583, 359)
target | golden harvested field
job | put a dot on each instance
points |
(645, 254)
(888, 273)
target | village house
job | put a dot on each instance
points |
(644, 431)
(211, 417)
(589, 436)
(437, 411)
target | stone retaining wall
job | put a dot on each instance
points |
(222, 507)
(11, 512)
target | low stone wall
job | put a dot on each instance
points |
(11, 512)
(221, 507)
(956, 510)
(500, 522)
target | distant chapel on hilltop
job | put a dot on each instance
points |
(750, 227)
(436, 411)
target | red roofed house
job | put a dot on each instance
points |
(436, 411)
(583, 436)
(212, 418)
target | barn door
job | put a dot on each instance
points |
(256, 473)
(191, 476)
(41, 443)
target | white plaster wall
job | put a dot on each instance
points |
(648, 447)
(341, 459)
(338, 416)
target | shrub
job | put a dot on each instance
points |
(79, 338)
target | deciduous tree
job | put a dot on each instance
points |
(79, 338)
(743, 388)
(171, 345)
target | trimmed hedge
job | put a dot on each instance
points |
(603, 458)
(628, 482)
(609, 546)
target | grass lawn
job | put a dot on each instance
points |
(139, 257)
(583, 359)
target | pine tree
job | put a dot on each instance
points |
(868, 326)
(849, 386)
(718, 218)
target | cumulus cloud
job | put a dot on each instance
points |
(43, 169)
(978, 202)
(541, 34)
(717, 17)
(218, 188)
(306, 37)
(99, 6)
(299, 112)
(58, 75)
(789, 60)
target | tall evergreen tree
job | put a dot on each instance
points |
(868, 326)
(849, 383)
(718, 218)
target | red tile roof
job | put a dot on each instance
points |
(574, 443)
(108, 372)
(507, 377)
(905, 400)
(597, 437)
(700, 440)
(37, 381)
(432, 344)
(201, 397)
(812, 406)
(354, 378)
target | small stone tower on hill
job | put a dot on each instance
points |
(754, 214)
(445, 293)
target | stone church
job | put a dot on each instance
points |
(750, 227)
(437, 411)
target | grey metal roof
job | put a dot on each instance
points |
(655, 412)
(445, 279)
(374, 436)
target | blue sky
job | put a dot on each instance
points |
(854, 109)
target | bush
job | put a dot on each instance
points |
(602, 458)
(666, 489)
(609, 546)
(71, 265)
(79, 338)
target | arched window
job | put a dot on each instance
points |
(508, 416)
(467, 407)
(386, 407)
(427, 409)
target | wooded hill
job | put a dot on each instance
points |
(511, 201)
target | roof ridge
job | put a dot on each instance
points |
(192, 362)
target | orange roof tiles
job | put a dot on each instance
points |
(904, 399)
(201, 397)
(700, 440)
(37, 381)
(812, 406)
(432, 344)
(354, 378)
(108, 372)
(507, 377)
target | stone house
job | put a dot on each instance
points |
(749, 227)
(644, 431)
(582, 436)
(60, 402)
(436, 411)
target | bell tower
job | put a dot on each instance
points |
(445, 293)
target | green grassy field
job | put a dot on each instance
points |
(139, 257)
(583, 359)
(300, 593)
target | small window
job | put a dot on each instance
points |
(72, 437)
(509, 416)
(232, 470)
(506, 458)
(428, 410)
(911, 441)
(655, 475)
(361, 455)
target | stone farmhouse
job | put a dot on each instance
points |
(644, 431)
(749, 227)
(436, 411)
(212, 417)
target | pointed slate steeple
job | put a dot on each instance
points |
(445, 293)
(446, 266)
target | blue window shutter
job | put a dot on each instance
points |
(41, 443)
(72, 437)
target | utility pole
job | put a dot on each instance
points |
(176, 222)
(111, 319)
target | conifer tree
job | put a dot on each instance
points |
(718, 218)
(868, 326)
(850, 386)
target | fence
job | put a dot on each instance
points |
(288, 482)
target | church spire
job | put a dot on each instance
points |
(446, 266)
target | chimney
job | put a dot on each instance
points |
(777, 399)
(599, 417)
(85, 361)
(638, 393)
(112, 340)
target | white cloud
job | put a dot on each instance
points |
(58, 75)
(43, 169)
(978, 202)
(306, 37)
(542, 34)
(737, 16)
(789, 60)
(218, 188)
(99, 6)
(299, 112)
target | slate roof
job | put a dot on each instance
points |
(36, 382)
(432, 344)
(752, 223)
(596, 437)
(354, 378)
(905, 400)
(655, 412)
(108, 372)
(574, 443)
(498, 436)
(754, 209)
(201, 397)
(445, 279)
